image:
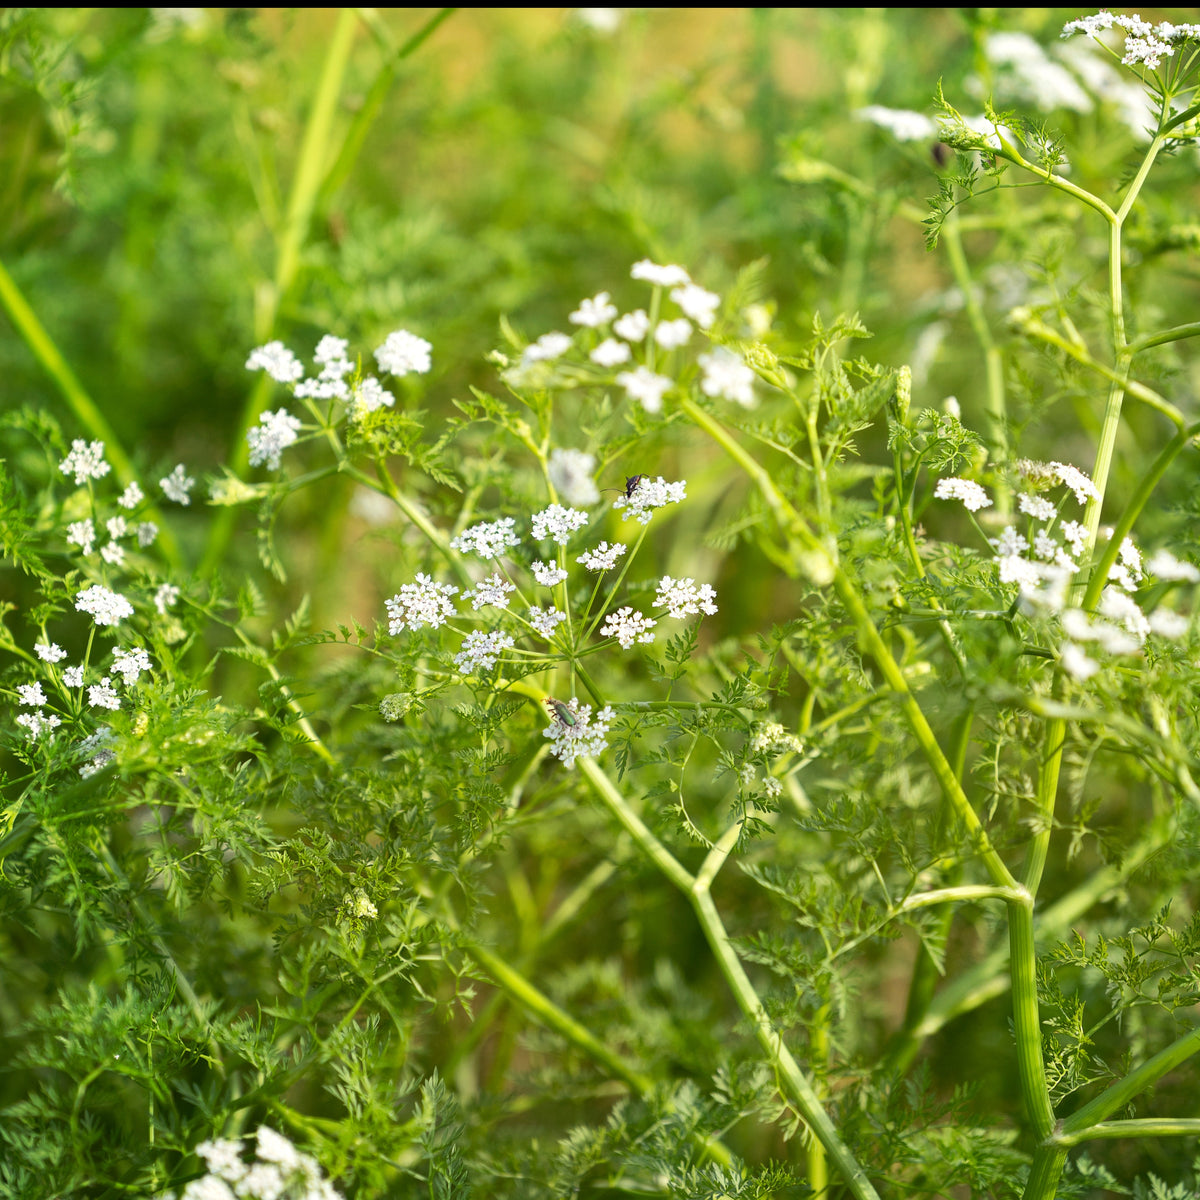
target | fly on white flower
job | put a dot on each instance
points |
(573, 731)
(650, 495)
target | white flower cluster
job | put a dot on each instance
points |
(481, 650)
(276, 431)
(970, 493)
(558, 523)
(493, 591)
(1145, 44)
(682, 598)
(573, 730)
(106, 607)
(603, 558)
(416, 605)
(648, 496)
(571, 476)
(85, 461)
(628, 626)
(279, 1172)
(620, 338)
(488, 539)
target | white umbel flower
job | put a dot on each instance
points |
(131, 497)
(102, 695)
(973, 497)
(670, 335)
(273, 434)
(1165, 566)
(82, 534)
(425, 602)
(548, 574)
(726, 377)
(597, 311)
(481, 650)
(649, 496)
(670, 275)
(165, 597)
(403, 352)
(488, 539)
(644, 386)
(610, 353)
(177, 485)
(546, 620)
(633, 326)
(129, 664)
(549, 346)
(902, 123)
(370, 396)
(492, 592)
(579, 732)
(697, 303)
(1076, 663)
(603, 557)
(1037, 507)
(682, 598)
(31, 695)
(557, 523)
(278, 362)
(105, 607)
(85, 461)
(628, 626)
(49, 652)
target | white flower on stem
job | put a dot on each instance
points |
(177, 485)
(493, 591)
(1076, 534)
(682, 598)
(331, 351)
(488, 539)
(129, 664)
(49, 652)
(902, 123)
(369, 396)
(85, 461)
(81, 534)
(278, 362)
(548, 574)
(599, 310)
(113, 554)
(1165, 566)
(1037, 507)
(1044, 546)
(633, 326)
(610, 353)
(322, 388)
(117, 527)
(1033, 76)
(578, 732)
(769, 735)
(670, 335)
(726, 377)
(1015, 569)
(101, 695)
(1168, 624)
(403, 352)
(1009, 542)
(73, 677)
(425, 602)
(105, 607)
(31, 695)
(546, 620)
(1131, 557)
(147, 531)
(548, 346)
(1076, 663)
(557, 523)
(570, 474)
(1093, 25)
(223, 1158)
(165, 597)
(772, 786)
(359, 905)
(37, 723)
(645, 387)
(698, 304)
(1076, 480)
(1118, 606)
(970, 493)
(649, 496)
(628, 626)
(273, 434)
(131, 497)
(274, 1147)
(603, 558)
(481, 650)
(661, 276)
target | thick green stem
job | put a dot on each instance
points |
(1139, 1127)
(1027, 1023)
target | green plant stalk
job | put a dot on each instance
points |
(42, 346)
(1175, 334)
(372, 105)
(1139, 1127)
(1119, 1094)
(306, 183)
(996, 411)
(562, 1023)
(792, 1081)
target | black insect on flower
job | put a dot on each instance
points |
(560, 712)
(631, 485)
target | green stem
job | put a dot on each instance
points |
(1044, 1173)
(1027, 1024)
(1176, 334)
(1140, 1127)
(1124, 1090)
(42, 346)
